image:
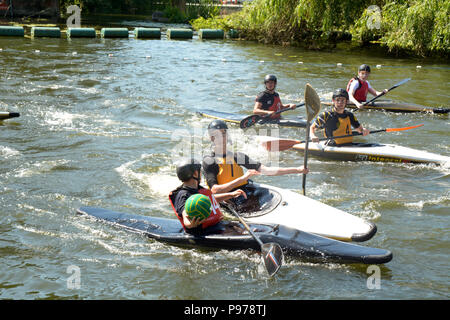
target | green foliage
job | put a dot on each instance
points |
(417, 27)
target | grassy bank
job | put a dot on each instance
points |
(415, 28)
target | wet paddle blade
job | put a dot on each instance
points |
(279, 144)
(312, 102)
(272, 256)
(401, 129)
(249, 121)
(400, 83)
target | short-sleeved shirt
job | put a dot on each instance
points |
(269, 101)
(211, 165)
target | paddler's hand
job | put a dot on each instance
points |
(303, 170)
(315, 139)
(365, 132)
(238, 193)
(360, 106)
(195, 222)
(292, 106)
(250, 173)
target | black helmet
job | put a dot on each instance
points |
(364, 67)
(216, 125)
(186, 168)
(270, 77)
(340, 93)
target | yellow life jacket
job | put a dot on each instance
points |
(344, 127)
(228, 170)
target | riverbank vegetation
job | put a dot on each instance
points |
(176, 11)
(419, 28)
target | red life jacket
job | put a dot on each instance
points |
(215, 216)
(360, 93)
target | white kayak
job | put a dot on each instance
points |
(375, 152)
(272, 205)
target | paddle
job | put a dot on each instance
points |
(254, 118)
(313, 105)
(271, 252)
(285, 144)
(383, 93)
(8, 115)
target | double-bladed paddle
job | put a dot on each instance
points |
(285, 144)
(383, 93)
(271, 252)
(256, 118)
(312, 102)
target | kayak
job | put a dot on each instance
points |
(236, 118)
(8, 115)
(271, 205)
(231, 235)
(375, 152)
(387, 105)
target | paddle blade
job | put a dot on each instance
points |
(400, 83)
(279, 144)
(272, 256)
(312, 102)
(249, 121)
(401, 129)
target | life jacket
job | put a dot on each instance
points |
(276, 106)
(360, 93)
(215, 216)
(229, 171)
(271, 102)
(343, 127)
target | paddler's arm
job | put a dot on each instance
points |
(275, 171)
(375, 92)
(229, 195)
(257, 109)
(312, 133)
(227, 187)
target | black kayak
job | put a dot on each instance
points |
(8, 115)
(236, 118)
(232, 235)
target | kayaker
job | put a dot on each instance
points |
(337, 122)
(189, 172)
(224, 171)
(268, 101)
(358, 87)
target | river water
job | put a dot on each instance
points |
(102, 122)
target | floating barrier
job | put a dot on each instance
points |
(81, 33)
(179, 33)
(49, 32)
(114, 33)
(12, 31)
(148, 33)
(210, 34)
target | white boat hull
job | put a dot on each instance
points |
(309, 215)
